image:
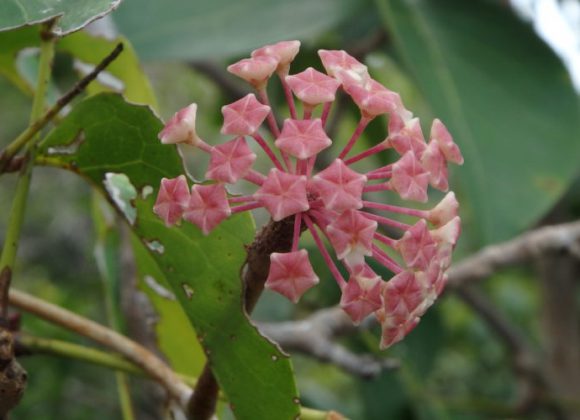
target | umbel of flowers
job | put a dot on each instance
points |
(331, 203)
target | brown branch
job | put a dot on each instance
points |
(524, 248)
(316, 336)
(133, 351)
(274, 237)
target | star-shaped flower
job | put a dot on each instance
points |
(244, 117)
(351, 235)
(208, 206)
(230, 161)
(409, 179)
(417, 246)
(283, 52)
(291, 274)
(172, 199)
(339, 187)
(450, 150)
(181, 127)
(362, 294)
(256, 70)
(406, 136)
(302, 138)
(283, 194)
(313, 87)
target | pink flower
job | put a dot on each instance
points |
(302, 138)
(313, 87)
(208, 206)
(172, 199)
(362, 294)
(331, 201)
(291, 274)
(283, 194)
(244, 117)
(339, 187)
(230, 161)
(181, 127)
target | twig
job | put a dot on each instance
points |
(133, 351)
(519, 250)
(316, 336)
(8, 153)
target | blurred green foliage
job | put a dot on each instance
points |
(487, 75)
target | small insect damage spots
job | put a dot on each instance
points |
(274, 358)
(158, 288)
(155, 246)
(188, 290)
(146, 191)
(296, 400)
(123, 194)
(68, 149)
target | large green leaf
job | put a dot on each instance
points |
(191, 29)
(74, 14)
(506, 99)
(117, 146)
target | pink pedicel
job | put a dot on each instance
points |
(344, 211)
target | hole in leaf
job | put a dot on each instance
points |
(158, 288)
(155, 246)
(69, 148)
(122, 192)
(146, 191)
(188, 290)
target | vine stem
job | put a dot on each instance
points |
(136, 353)
(33, 345)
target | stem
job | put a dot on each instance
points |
(327, 258)
(364, 121)
(325, 113)
(109, 360)
(27, 135)
(369, 152)
(246, 207)
(260, 140)
(384, 259)
(18, 209)
(386, 221)
(136, 353)
(289, 97)
(396, 209)
(263, 94)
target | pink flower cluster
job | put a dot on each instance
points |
(330, 203)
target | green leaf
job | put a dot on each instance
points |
(11, 43)
(173, 328)
(193, 29)
(505, 97)
(203, 272)
(74, 14)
